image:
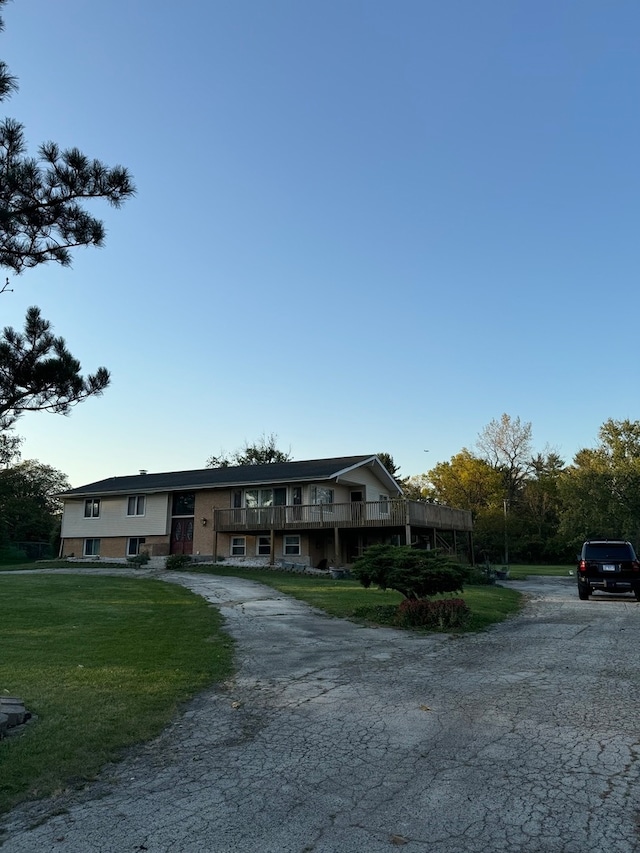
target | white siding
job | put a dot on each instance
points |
(114, 521)
(363, 479)
(370, 484)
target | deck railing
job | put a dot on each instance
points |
(389, 513)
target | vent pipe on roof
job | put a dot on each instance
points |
(142, 471)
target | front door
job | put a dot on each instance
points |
(182, 536)
(296, 499)
(357, 506)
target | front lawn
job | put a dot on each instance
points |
(520, 573)
(103, 662)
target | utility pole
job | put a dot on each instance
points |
(506, 536)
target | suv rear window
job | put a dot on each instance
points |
(607, 551)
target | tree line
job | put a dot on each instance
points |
(533, 506)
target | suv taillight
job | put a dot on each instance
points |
(635, 566)
(582, 566)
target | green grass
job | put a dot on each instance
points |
(519, 573)
(348, 599)
(104, 663)
(58, 564)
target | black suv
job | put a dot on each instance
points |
(610, 565)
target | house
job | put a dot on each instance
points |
(318, 512)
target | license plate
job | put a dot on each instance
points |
(607, 567)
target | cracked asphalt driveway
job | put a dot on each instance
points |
(338, 738)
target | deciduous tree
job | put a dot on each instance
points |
(506, 446)
(264, 452)
(29, 509)
(600, 490)
(466, 482)
(416, 488)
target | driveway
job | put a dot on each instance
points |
(335, 738)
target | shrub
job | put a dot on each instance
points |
(478, 575)
(414, 572)
(139, 560)
(10, 554)
(177, 562)
(381, 614)
(442, 614)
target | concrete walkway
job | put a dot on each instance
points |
(334, 738)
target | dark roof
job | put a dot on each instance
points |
(239, 475)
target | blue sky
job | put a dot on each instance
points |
(363, 226)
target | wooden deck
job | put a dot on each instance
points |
(357, 514)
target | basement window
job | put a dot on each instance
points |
(91, 547)
(133, 545)
(238, 546)
(292, 545)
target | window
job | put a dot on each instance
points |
(91, 547)
(321, 495)
(92, 508)
(292, 545)
(136, 505)
(258, 497)
(133, 545)
(265, 497)
(259, 504)
(614, 551)
(238, 546)
(264, 546)
(184, 503)
(384, 504)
